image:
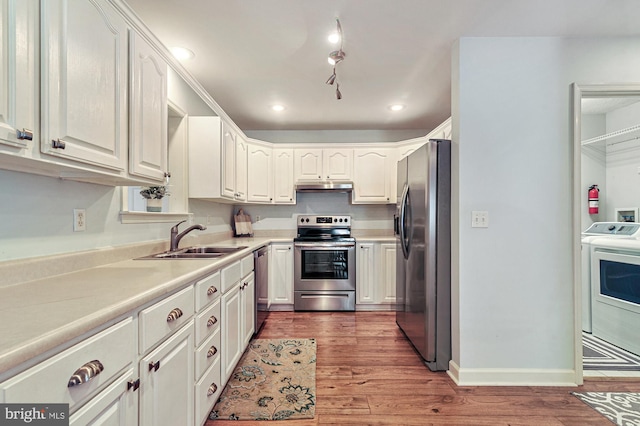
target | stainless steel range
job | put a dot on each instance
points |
(324, 264)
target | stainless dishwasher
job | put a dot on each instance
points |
(261, 267)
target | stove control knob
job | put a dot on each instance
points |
(612, 227)
(307, 220)
(302, 220)
(340, 219)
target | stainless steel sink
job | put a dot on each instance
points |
(197, 252)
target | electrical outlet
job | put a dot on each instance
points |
(479, 219)
(79, 220)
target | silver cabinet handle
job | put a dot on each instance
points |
(211, 290)
(212, 320)
(85, 373)
(212, 389)
(212, 351)
(24, 134)
(174, 315)
(58, 143)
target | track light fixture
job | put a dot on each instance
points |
(334, 59)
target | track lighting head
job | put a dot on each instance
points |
(335, 58)
(338, 93)
(332, 79)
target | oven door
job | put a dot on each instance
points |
(321, 266)
(615, 280)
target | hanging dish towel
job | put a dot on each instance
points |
(243, 224)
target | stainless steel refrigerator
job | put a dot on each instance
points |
(423, 236)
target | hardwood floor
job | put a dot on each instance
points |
(368, 374)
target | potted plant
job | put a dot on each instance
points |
(154, 195)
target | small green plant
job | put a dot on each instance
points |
(154, 192)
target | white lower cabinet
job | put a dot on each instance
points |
(247, 302)
(375, 275)
(230, 331)
(281, 276)
(117, 405)
(166, 381)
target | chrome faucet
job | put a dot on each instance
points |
(175, 237)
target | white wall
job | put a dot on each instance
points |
(513, 158)
(593, 170)
(623, 162)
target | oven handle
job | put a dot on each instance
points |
(324, 245)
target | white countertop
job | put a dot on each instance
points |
(38, 316)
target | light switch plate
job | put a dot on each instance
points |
(479, 219)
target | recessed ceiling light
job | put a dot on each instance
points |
(182, 53)
(277, 108)
(396, 107)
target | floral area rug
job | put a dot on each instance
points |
(274, 380)
(621, 408)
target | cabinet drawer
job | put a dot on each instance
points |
(246, 265)
(207, 290)
(48, 381)
(231, 275)
(207, 353)
(165, 317)
(207, 321)
(207, 391)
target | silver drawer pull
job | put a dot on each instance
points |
(58, 143)
(24, 134)
(212, 351)
(211, 290)
(212, 320)
(85, 373)
(174, 314)
(212, 389)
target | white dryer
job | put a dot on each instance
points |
(597, 231)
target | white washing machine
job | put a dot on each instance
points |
(597, 232)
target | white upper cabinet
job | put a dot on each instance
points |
(259, 172)
(323, 164)
(234, 165)
(84, 82)
(372, 175)
(18, 76)
(242, 154)
(337, 164)
(308, 164)
(148, 111)
(284, 185)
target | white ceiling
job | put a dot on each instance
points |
(251, 54)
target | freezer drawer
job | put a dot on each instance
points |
(324, 301)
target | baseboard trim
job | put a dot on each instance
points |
(510, 376)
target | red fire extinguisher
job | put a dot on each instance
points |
(593, 199)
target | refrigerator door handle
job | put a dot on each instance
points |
(404, 243)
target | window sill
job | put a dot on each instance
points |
(153, 217)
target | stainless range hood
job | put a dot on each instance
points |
(324, 186)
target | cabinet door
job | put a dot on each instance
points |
(84, 82)
(372, 176)
(166, 381)
(388, 275)
(308, 164)
(284, 191)
(281, 274)
(242, 151)
(228, 163)
(337, 164)
(366, 275)
(117, 405)
(230, 328)
(260, 170)
(18, 84)
(248, 301)
(148, 148)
